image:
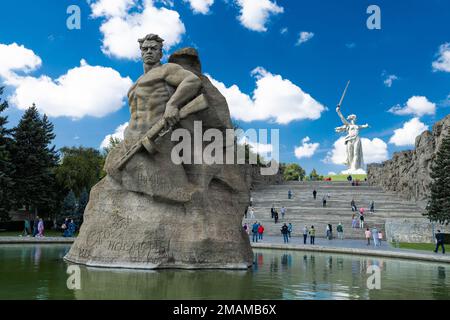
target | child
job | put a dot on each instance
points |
(368, 235)
(380, 237)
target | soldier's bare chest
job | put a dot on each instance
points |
(152, 84)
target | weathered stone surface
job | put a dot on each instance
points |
(412, 230)
(152, 212)
(131, 230)
(408, 172)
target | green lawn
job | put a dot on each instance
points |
(343, 177)
(418, 246)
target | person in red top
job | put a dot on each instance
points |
(260, 231)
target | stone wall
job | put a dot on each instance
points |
(254, 178)
(412, 230)
(408, 172)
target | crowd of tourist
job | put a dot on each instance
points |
(358, 222)
(36, 229)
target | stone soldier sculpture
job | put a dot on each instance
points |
(150, 212)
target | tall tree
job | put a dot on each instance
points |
(314, 176)
(6, 165)
(80, 169)
(293, 172)
(113, 142)
(35, 162)
(438, 209)
(70, 205)
(82, 203)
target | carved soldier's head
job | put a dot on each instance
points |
(151, 49)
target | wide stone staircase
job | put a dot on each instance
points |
(303, 209)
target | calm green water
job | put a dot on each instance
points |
(38, 272)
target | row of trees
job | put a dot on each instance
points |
(56, 183)
(294, 172)
(37, 177)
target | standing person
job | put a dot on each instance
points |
(289, 194)
(245, 227)
(65, 227)
(283, 212)
(260, 231)
(35, 226)
(252, 213)
(439, 242)
(354, 221)
(284, 232)
(40, 228)
(327, 232)
(372, 207)
(290, 229)
(375, 236)
(276, 216)
(312, 234)
(340, 231)
(330, 227)
(305, 234)
(26, 228)
(361, 221)
(246, 212)
(251, 201)
(72, 228)
(255, 231)
(272, 211)
(380, 238)
(368, 235)
(315, 194)
(324, 201)
(353, 205)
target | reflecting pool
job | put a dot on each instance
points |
(39, 272)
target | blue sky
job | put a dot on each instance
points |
(235, 37)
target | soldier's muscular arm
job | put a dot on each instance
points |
(187, 87)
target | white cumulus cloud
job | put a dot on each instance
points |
(14, 57)
(118, 134)
(111, 8)
(417, 105)
(307, 149)
(304, 36)
(200, 6)
(406, 136)
(374, 151)
(254, 14)
(443, 61)
(125, 21)
(83, 91)
(274, 98)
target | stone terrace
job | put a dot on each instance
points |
(303, 209)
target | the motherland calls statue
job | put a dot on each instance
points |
(150, 212)
(355, 158)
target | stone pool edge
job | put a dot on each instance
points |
(352, 251)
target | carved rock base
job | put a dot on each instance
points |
(125, 229)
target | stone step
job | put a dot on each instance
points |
(303, 209)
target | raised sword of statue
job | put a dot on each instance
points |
(343, 95)
(196, 105)
(342, 128)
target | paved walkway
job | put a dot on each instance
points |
(350, 246)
